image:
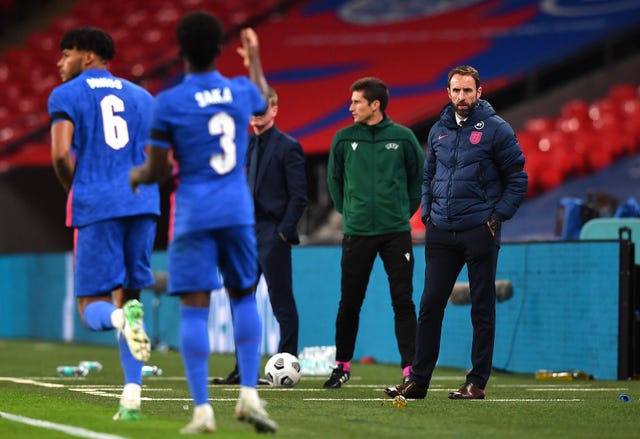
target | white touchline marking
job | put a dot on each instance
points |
(104, 390)
(435, 378)
(324, 377)
(28, 381)
(476, 400)
(115, 389)
(529, 400)
(99, 393)
(350, 399)
(68, 429)
(557, 386)
(575, 389)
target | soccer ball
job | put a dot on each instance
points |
(282, 370)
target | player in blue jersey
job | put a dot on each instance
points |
(205, 121)
(99, 127)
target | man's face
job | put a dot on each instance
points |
(263, 122)
(361, 110)
(463, 94)
(71, 63)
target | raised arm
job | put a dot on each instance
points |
(250, 53)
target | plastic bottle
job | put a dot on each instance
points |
(91, 365)
(317, 360)
(151, 371)
(72, 371)
(565, 375)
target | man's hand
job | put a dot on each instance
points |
(135, 178)
(250, 49)
(155, 168)
(495, 222)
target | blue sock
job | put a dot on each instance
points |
(97, 315)
(247, 334)
(194, 348)
(131, 367)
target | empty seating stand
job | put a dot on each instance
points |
(144, 35)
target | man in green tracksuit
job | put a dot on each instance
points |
(374, 178)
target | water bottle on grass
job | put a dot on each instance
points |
(72, 371)
(565, 375)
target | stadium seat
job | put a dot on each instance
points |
(602, 109)
(575, 108)
(631, 119)
(597, 156)
(539, 125)
(609, 228)
(30, 154)
(621, 92)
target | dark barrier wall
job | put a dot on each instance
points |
(563, 313)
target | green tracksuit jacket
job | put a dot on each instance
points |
(375, 177)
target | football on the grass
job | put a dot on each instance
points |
(282, 370)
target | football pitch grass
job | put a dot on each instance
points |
(36, 403)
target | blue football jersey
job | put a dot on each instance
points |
(111, 118)
(205, 119)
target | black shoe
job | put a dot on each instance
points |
(232, 378)
(467, 391)
(338, 376)
(408, 389)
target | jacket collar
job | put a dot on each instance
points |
(386, 121)
(482, 111)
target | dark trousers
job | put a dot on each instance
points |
(358, 256)
(445, 255)
(274, 259)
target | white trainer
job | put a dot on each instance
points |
(250, 409)
(203, 421)
(133, 331)
(129, 409)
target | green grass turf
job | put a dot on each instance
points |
(517, 405)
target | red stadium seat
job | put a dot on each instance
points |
(631, 120)
(539, 125)
(621, 92)
(144, 37)
(603, 109)
(577, 108)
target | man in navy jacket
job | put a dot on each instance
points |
(474, 179)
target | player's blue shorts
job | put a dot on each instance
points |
(114, 253)
(196, 258)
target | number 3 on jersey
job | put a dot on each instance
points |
(223, 125)
(116, 132)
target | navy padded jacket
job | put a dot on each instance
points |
(472, 171)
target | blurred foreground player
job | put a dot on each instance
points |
(205, 120)
(99, 126)
(278, 183)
